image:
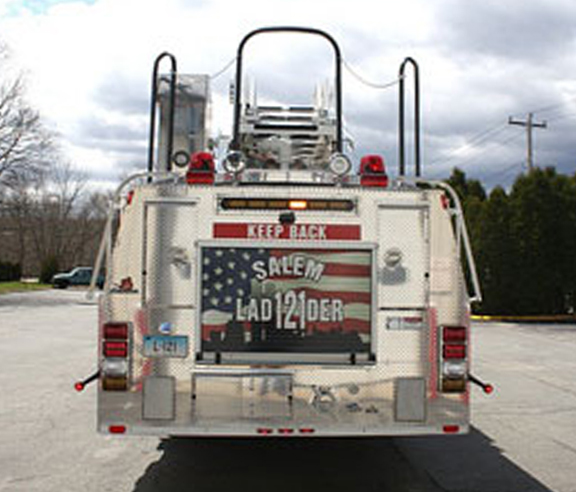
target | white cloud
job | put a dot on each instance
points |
(89, 63)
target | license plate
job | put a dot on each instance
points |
(165, 346)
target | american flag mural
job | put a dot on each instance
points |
(285, 299)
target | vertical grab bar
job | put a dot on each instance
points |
(338, 77)
(153, 104)
(401, 148)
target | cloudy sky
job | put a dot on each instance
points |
(88, 65)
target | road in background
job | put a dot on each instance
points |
(523, 439)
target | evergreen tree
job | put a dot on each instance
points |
(541, 228)
(495, 254)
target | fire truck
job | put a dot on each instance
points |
(281, 290)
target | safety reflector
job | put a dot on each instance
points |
(454, 351)
(444, 201)
(117, 429)
(306, 430)
(451, 429)
(264, 431)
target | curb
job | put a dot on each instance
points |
(558, 318)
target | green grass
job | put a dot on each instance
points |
(7, 287)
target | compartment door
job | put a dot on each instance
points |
(169, 234)
(403, 256)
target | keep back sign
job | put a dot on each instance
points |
(292, 232)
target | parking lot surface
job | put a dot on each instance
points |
(523, 436)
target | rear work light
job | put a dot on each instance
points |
(373, 171)
(201, 169)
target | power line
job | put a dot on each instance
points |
(562, 117)
(474, 141)
(552, 106)
(482, 153)
(504, 172)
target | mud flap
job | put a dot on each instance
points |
(159, 398)
(410, 400)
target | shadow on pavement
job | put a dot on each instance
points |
(464, 463)
(277, 465)
(471, 462)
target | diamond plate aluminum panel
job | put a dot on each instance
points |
(159, 235)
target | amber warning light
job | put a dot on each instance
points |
(297, 204)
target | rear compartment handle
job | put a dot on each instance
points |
(486, 387)
(80, 385)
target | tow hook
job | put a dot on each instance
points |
(486, 387)
(80, 385)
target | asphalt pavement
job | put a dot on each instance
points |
(523, 437)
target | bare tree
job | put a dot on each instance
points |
(46, 213)
(25, 145)
(51, 218)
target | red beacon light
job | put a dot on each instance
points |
(373, 171)
(201, 169)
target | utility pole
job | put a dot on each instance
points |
(529, 124)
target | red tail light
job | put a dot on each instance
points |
(285, 431)
(454, 351)
(115, 331)
(454, 334)
(115, 349)
(201, 169)
(373, 171)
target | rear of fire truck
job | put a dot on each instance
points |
(283, 291)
